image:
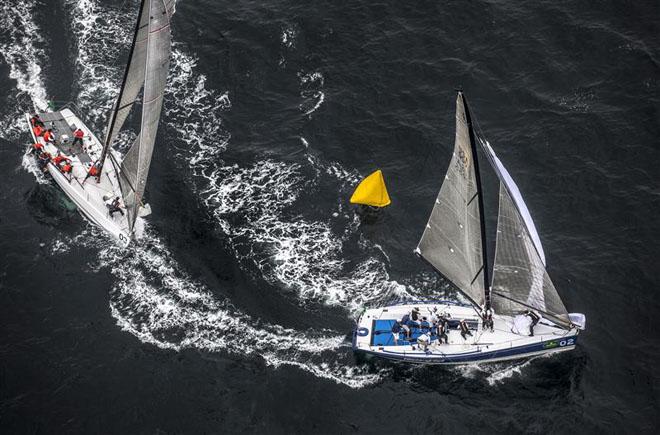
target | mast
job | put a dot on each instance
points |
(116, 108)
(480, 201)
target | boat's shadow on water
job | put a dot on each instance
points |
(49, 205)
(549, 375)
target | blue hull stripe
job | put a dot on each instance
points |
(564, 342)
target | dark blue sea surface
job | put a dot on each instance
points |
(234, 312)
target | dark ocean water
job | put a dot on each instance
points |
(234, 313)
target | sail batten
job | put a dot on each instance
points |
(451, 242)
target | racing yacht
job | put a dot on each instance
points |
(113, 197)
(512, 308)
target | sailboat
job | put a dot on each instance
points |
(512, 308)
(108, 188)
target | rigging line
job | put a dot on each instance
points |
(106, 145)
(473, 303)
(552, 316)
(477, 275)
(482, 143)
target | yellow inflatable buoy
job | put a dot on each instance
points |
(372, 191)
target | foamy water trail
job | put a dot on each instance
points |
(100, 47)
(155, 300)
(21, 51)
(311, 91)
(496, 373)
(252, 205)
(152, 296)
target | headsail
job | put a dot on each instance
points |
(135, 166)
(452, 240)
(511, 185)
(519, 277)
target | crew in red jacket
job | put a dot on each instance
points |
(78, 137)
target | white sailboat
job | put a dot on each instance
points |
(112, 199)
(528, 316)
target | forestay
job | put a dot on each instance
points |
(452, 239)
(519, 277)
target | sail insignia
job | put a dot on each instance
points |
(451, 241)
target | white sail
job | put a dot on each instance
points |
(511, 185)
(452, 239)
(156, 53)
(520, 280)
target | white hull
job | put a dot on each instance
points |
(88, 195)
(373, 337)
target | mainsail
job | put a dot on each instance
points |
(147, 69)
(452, 240)
(133, 76)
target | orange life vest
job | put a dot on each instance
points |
(38, 146)
(66, 167)
(37, 131)
(79, 134)
(48, 136)
(93, 171)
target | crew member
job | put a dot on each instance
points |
(396, 329)
(442, 332)
(43, 160)
(59, 159)
(66, 167)
(114, 206)
(535, 319)
(36, 121)
(465, 329)
(49, 137)
(78, 137)
(37, 148)
(405, 320)
(416, 316)
(93, 172)
(38, 130)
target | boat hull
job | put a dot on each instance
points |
(371, 339)
(88, 195)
